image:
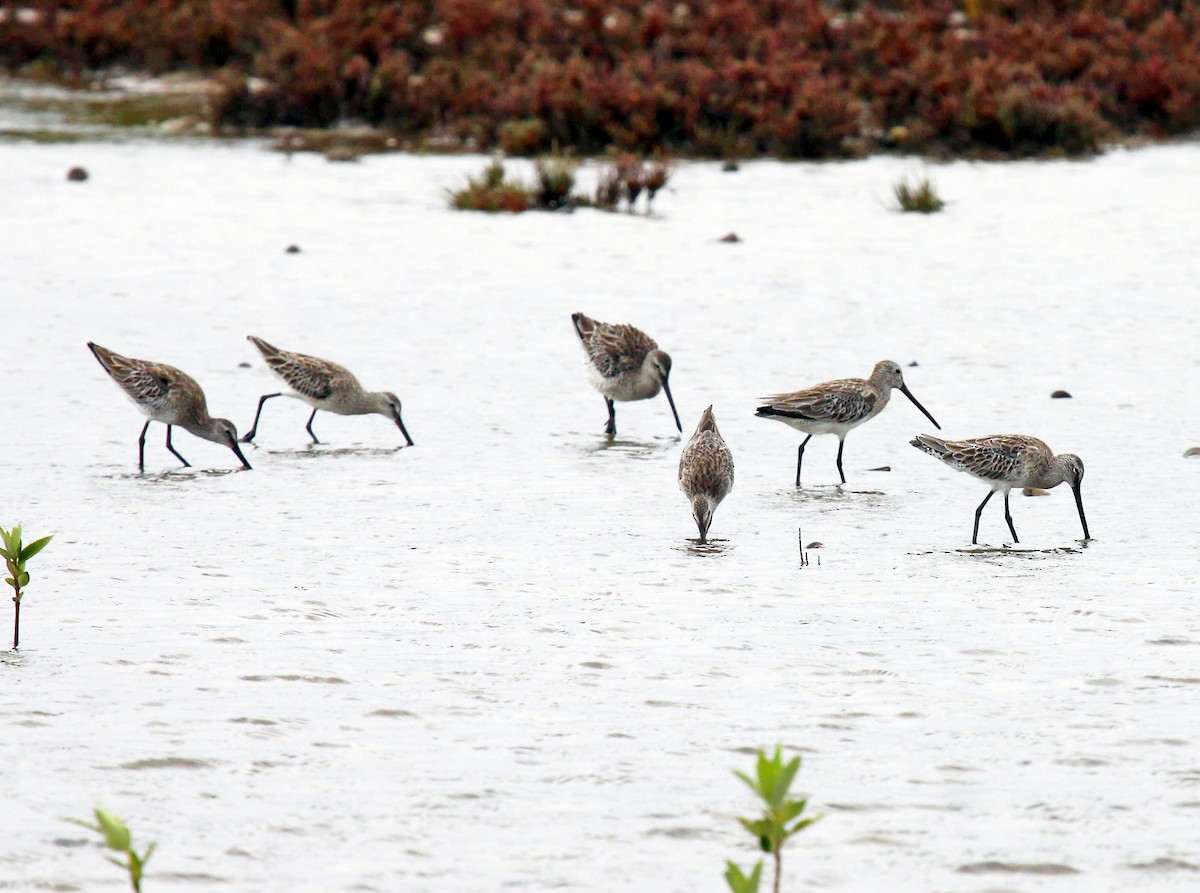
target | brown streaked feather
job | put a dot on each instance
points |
(613, 349)
(706, 465)
(838, 402)
(156, 386)
(997, 457)
(307, 375)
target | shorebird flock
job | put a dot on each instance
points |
(624, 364)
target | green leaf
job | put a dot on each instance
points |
(35, 547)
(23, 579)
(11, 582)
(739, 882)
(7, 536)
(116, 835)
(750, 783)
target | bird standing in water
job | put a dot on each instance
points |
(837, 407)
(1005, 461)
(323, 385)
(705, 471)
(170, 396)
(624, 364)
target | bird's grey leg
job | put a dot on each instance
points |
(978, 512)
(800, 457)
(611, 428)
(309, 427)
(254, 428)
(142, 447)
(841, 444)
(185, 462)
(1008, 518)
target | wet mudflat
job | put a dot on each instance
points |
(498, 659)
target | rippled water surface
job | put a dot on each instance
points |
(499, 660)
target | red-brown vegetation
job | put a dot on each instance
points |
(793, 78)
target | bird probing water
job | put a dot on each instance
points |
(166, 395)
(705, 471)
(624, 364)
(1005, 461)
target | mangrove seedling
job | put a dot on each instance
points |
(15, 555)
(780, 819)
(118, 837)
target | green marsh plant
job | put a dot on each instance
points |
(15, 554)
(118, 838)
(781, 818)
(919, 196)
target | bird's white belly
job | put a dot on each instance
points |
(625, 387)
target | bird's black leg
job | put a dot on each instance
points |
(841, 444)
(611, 428)
(142, 448)
(309, 427)
(254, 428)
(1008, 518)
(978, 512)
(185, 462)
(800, 457)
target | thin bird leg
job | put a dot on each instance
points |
(254, 428)
(185, 462)
(800, 458)
(309, 427)
(841, 444)
(142, 448)
(978, 512)
(1008, 518)
(611, 428)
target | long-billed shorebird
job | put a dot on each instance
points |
(323, 385)
(1004, 461)
(836, 407)
(705, 471)
(624, 363)
(169, 396)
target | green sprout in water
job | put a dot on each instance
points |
(781, 818)
(118, 837)
(15, 555)
(919, 196)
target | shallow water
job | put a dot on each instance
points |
(499, 659)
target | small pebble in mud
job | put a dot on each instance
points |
(730, 167)
(731, 237)
(1191, 453)
(77, 174)
(881, 468)
(243, 365)
(912, 365)
(1060, 395)
(815, 545)
(293, 249)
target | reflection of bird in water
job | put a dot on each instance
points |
(705, 471)
(323, 385)
(170, 396)
(837, 407)
(1005, 461)
(624, 364)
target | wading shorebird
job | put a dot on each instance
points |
(836, 407)
(705, 471)
(1005, 461)
(323, 385)
(169, 396)
(624, 363)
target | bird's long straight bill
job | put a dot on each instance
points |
(403, 430)
(237, 451)
(1082, 519)
(671, 400)
(907, 393)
